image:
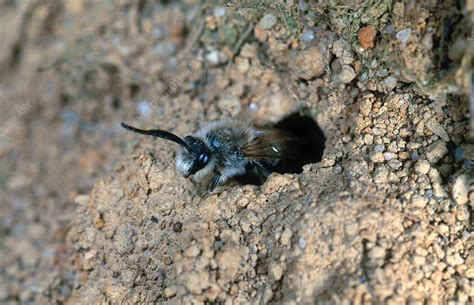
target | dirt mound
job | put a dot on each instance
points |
(92, 214)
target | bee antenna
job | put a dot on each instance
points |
(157, 133)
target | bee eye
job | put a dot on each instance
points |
(203, 158)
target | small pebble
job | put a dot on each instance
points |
(380, 174)
(366, 107)
(213, 57)
(267, 21)
(347, 74)
(461, 190)
(374, 64)
(404, 35)
(276, 271)
(458, 154)
(419, 260)
(395, 164)
(309, 63)
(390, 29)
(382, 73)
(253, 107)
(418, 201)
(307, 36)
(422, 167)
(390, 82)
(429, 194)
(377, 157)
(286, 237)
(438, 129)
(368, 139)
(454, 259)
(436, 151)
(389, 156)
(343, 50)
(366, 37)
(328, 162)
(192, 251)
(379, 148)
(170, 291)
(302, 243)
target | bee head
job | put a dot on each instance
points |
(193, 157)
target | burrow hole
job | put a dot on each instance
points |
(310, 150)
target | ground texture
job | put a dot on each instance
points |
(92, 214)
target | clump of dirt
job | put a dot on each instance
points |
(95, 215)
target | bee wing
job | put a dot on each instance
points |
(269, 147)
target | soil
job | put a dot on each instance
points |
(94, 214)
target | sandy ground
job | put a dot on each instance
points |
(93, 214)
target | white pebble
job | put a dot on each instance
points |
(404, 35)
(307, 36)
(302, 243)
(389, 156)
(379, 148)
(253, 107)
(213, 57)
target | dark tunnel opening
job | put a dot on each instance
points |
(307, 149)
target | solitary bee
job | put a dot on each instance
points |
(229, 149)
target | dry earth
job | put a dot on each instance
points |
(92, 214)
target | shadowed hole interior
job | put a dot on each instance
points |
(309, 150)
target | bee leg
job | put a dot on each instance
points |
(261, 171)
(214, 182)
